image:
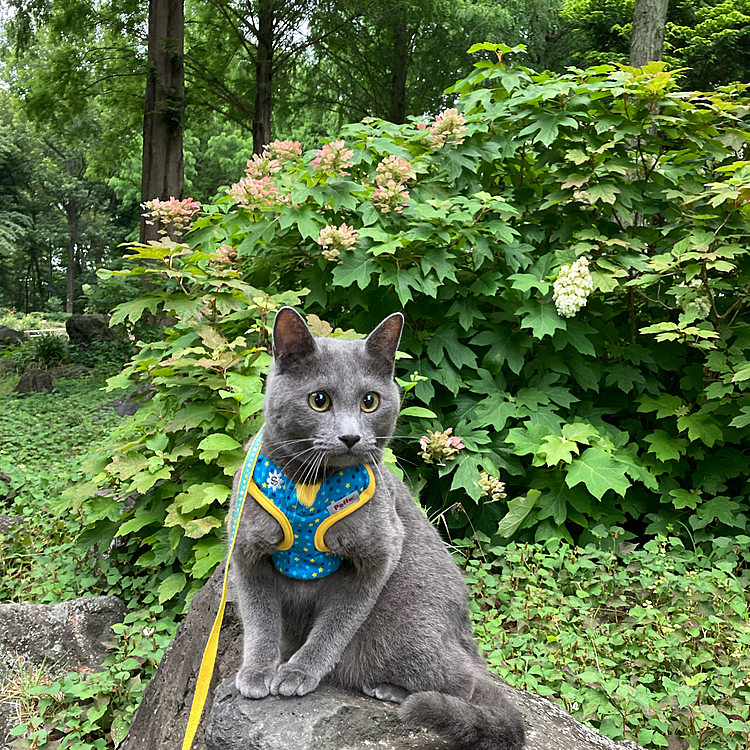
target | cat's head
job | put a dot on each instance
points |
(329, 403)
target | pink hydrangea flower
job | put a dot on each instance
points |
(448, 126)
(335, 240)
(262, 166)
(392, 196)
(255, 193)
(174, 216)
(439, 447)
(393, 168)
(284, 150)
(334, 158)
(226, 255)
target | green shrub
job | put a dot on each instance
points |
(641, 644)
(632, 410)
(40, 352)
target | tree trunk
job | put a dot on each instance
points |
(399, 70)
(164, 103)
(71, 213)
(649, 28)
(263, 77)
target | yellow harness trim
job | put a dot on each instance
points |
(325, 525)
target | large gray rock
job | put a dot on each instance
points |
(11, 336)
(82, 329)
(34, 381)
(67, 635)
(327, 719)
(62, 635)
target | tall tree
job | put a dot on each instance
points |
(163, 174)
(649, 29)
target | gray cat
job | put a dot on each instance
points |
(382, 606)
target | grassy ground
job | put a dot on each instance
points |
(651, 644)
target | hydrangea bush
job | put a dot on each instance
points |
(571, 255)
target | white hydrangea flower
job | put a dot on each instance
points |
(693, 298)
(572, 287)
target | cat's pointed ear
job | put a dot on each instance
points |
(382, 343)
(292, 339)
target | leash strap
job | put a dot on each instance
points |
(209, 654)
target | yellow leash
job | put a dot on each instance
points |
(209, 654)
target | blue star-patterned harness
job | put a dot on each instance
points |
(304, 511)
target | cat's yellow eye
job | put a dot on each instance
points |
(369, 402)
(320, 400)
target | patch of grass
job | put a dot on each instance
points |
(45, 438)
(649, 644)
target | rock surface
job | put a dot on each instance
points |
(327, 719)
(82, 329)
(59, 635)
(34, 381)
(11, 336)
(71, 634)
(68, 372)
(129, 405)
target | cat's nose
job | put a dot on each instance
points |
(349, 440)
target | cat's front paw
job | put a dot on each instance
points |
(255, 683)
(293, 680)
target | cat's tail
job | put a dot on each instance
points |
(486, 721)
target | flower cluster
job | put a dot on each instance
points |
(439, 447)
(491, 487)
(693, 299)
(283, 151)
(392, 196)
(334, 240)
(333, 158)
(255, 193)
(226, 255)
(448, 126)
(572, 287)
(174, 216)
(393, 169)
(262, 166)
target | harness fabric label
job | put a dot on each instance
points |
(345, 501)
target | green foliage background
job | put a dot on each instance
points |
(626, 422)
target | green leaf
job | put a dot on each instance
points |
(171, 586)
(218, 442)
(137, 523)
(605, 192)
(556, 449)
(466, 476)
(306, 219)
(205, 565)
(742, 419)
(599, 471)
(357, 267)
(682, 499)
(742, 374)
(664, 406)
(495, 410)
(134, 309)
(199, 527)
(445, 341)
(418, 411)
(624, 377)
(664, 446)
(541, 317)
(518, 509)
(202, 494)
(701, 427)
(403, 280)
